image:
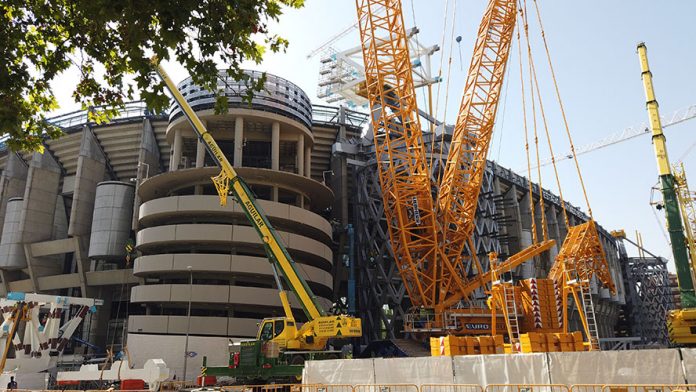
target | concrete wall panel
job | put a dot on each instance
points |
(171, 348)
(160, 211)
(199, 325)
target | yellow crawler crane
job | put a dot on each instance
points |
(282, 345)
(466, 160)
(429, 237)
(432, 239)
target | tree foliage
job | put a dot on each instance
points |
(110, 39)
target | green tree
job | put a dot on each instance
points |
(39, 39)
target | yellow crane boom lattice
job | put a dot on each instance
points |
(471, 138)
(401, 160)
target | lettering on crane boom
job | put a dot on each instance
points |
(254, 214)
(416, 211)
(477, 326)
(214, 148)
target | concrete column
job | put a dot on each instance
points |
(238, 141)
(554, 234)
(339, 179)
(149, 164)
(38, 213)
(176, 154)
(275, 146)
(200, 153)
(200, 160)
(275, 153)
(308, 162)
(200, 150)
(91, 167)
(300, 155)
(12, 182)
(527, 268)
(562, 228)
(99, 321)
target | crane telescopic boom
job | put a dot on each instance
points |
(667, 183)
(401, 158)
(681, 323)
(314, 334)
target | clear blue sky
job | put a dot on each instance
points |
(593, 48)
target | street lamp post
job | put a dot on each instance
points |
(188, 320)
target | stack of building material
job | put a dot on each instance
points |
(466, 345)
(540, 301)
(536, 342)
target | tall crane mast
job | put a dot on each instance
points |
(667, 183)
(466, 160)
(681, 322)
(401, 159)
(471, 138)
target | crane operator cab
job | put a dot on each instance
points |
(279, 330)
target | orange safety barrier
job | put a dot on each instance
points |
(270, 388)
(451, 388)
(527, 388)
(386, 388)
(648, 387)
(327, 388)
(176, 385)
(102, 390)
(586, 387)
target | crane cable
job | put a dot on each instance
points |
(532, 77)
(447, 85)
(563, 114)
(437, 93)
(501, 128)
(687, 152)
(415, 25)
(546, 128)
(526, 138)
(442, 58)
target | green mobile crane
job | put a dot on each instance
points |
(681, 323)
(282, 345)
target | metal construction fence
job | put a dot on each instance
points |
(432, 388)
(462, 388)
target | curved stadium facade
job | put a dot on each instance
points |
(68, 215)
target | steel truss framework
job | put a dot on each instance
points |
(648, 297)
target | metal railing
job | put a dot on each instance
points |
(78, 118)
(174, 385)
(451, 388)
(386, 388)
(648, 387)
(277, 96)
(527, 388)
(461, 388)
(330, 115)
(74, 121)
